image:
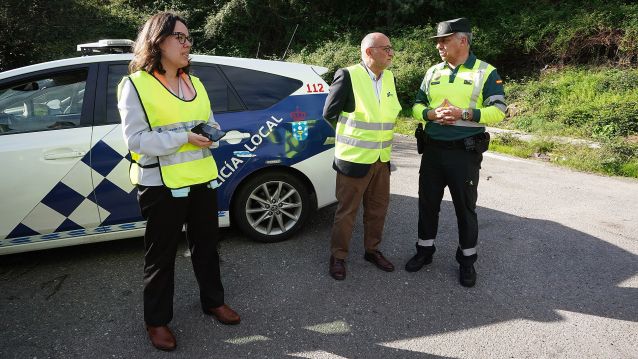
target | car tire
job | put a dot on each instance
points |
(272, 206)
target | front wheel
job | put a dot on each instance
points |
(272, 206)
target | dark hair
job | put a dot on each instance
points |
(147, 55)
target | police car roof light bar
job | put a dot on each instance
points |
(106, 46)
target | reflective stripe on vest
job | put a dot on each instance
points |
(190, 164)
(366, 125)
(365, 135)
(459, 93)
(478, 83)
(363, 144)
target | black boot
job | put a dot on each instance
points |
(422, 257)
(467, 275)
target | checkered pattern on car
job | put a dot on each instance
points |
(71, 201)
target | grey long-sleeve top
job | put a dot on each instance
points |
(141, 139)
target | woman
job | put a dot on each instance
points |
(159, 102)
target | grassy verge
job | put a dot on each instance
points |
(614, 158)
(591, 103)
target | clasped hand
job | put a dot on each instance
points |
(447, 114)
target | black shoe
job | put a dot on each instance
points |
(418, 261)
(467, 275)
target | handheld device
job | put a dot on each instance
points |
(209, 132)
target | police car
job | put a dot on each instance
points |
(65, 165)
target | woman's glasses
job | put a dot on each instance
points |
(182, 37)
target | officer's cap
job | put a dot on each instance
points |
(449, 27)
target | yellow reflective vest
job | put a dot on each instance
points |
(365, 135)
(465, 92)
(190, 165)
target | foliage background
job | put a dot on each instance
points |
(569, 66)
(518, 37)
(513, 35)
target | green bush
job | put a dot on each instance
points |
(629, 169)
(414, 54)
(591, 102)
(618, 120)
(618, 80)
(333, 54)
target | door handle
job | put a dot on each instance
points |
(234, 137)
(63, 155)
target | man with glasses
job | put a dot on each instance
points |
(456, 99)
(363, 104)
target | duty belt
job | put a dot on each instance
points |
(462, 144)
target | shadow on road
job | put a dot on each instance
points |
(73, 302)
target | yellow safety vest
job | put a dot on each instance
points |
(190, 165)
(365, 135)
(438, 86)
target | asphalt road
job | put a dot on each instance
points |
(557, 277)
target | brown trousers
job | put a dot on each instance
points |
(374, 189)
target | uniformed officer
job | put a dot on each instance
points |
(456, 99)
(363, 103)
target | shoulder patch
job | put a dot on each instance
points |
(499, 82)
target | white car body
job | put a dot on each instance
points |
(53, 187)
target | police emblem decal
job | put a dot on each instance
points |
(300, 130)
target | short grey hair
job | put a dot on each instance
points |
(467, 35)
(369, 40)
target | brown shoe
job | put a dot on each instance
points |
(161, 337)
(379, 260)
(337, 268)
(225, 314)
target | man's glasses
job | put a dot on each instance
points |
(181, 37)
(387, 49)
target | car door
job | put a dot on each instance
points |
(45, 133)
(115, 194)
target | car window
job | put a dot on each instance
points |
(222, 97)
(49, 102)
(116, 72)
(260, 90)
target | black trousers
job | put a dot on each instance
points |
(165, 216)
(457, 169)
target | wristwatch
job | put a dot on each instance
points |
(465, 115)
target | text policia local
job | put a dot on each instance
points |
(255, 141)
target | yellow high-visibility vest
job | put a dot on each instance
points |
(458, 92)
(465, 92)
(365, 135)
(190, 165)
